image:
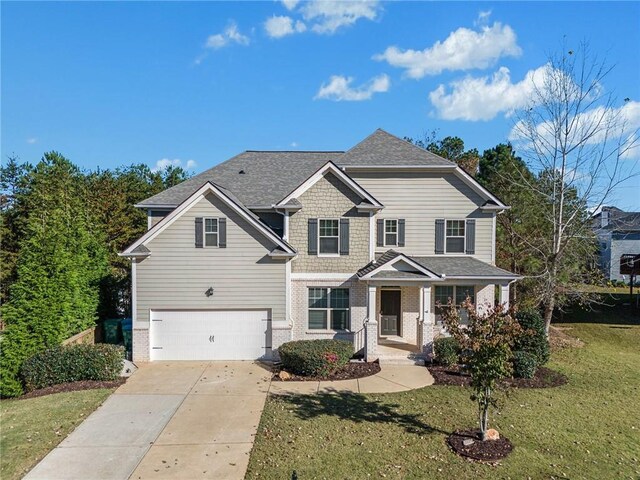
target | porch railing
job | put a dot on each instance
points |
(359, 340)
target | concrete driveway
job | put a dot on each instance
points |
(179, 420)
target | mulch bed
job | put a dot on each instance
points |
(489, 451)
(73, 387)
(544, 378)
(348, 372)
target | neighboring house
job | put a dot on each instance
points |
(269, 247)
(619, 235)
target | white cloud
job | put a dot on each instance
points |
(290, 4)
(329, 15)
(483, 98)
(229, 35)
(605, 125)
(339, 89)
(483, 17)
(294, 144)
(176, 162)
(463, 49)
(280, 26)
(32, 140)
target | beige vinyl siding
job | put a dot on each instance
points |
(177, 274)
(420, 198)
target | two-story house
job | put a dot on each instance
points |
(618, 234)
(269, 247)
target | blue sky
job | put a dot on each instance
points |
(109, 84)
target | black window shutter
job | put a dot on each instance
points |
(439, 236)
(344, 236)
(401, 232)
(470, 233)
(313, 236)
(380, 235)
(198, 232)
(222, 232)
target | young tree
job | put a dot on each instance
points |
(487, 341)
(575, 138)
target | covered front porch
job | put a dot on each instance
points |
(403, 317)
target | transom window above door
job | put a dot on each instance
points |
(455, 236)
(391, 233)
(329, 236)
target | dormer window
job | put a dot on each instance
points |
(454, 240)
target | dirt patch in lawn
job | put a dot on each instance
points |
(348, 372)
(489, 451)
(72, 387)
(559, 339)
(544, 378)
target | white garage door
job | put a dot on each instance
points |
(209, 335)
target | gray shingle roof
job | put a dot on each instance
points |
(388, 274)
(382, 148)
(448, 267)
(264, 178)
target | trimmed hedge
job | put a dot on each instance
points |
(72, 363)
(446, 351)
(525, 364)
(315, 357)
(535, 341)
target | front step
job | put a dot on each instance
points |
(402, 360)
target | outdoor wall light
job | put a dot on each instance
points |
(209, 292)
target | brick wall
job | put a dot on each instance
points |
(329, 198)
(140, 345)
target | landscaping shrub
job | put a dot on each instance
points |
(525, 364)
(72, 363)
(315, 357)
(446, 350)
(534, 340)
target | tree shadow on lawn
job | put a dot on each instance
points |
(357, 408)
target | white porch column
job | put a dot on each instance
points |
(503, 298)
(371, 326)
(427, 324)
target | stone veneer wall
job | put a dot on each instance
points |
(300, 305)
(329, 198)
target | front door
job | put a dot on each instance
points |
(390, 312)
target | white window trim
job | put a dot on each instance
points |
(396, 233)
(328, 310)
(453, 297)
(464, 236)
(204, 232)
(337, 254)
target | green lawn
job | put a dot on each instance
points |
(32, 427)
(587, 429)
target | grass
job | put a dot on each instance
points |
(589, 428)
(34, 426)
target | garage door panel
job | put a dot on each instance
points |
(209, 335)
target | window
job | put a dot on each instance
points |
(391, 233)
(454, 239)
(329, 237)
(329, 309)
(458, 294)
(210, 232)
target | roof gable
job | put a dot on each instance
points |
(138, 248)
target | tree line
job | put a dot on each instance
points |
(61, 231)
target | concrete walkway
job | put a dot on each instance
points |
(189, 420)
(391, 378)
(179, 420)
